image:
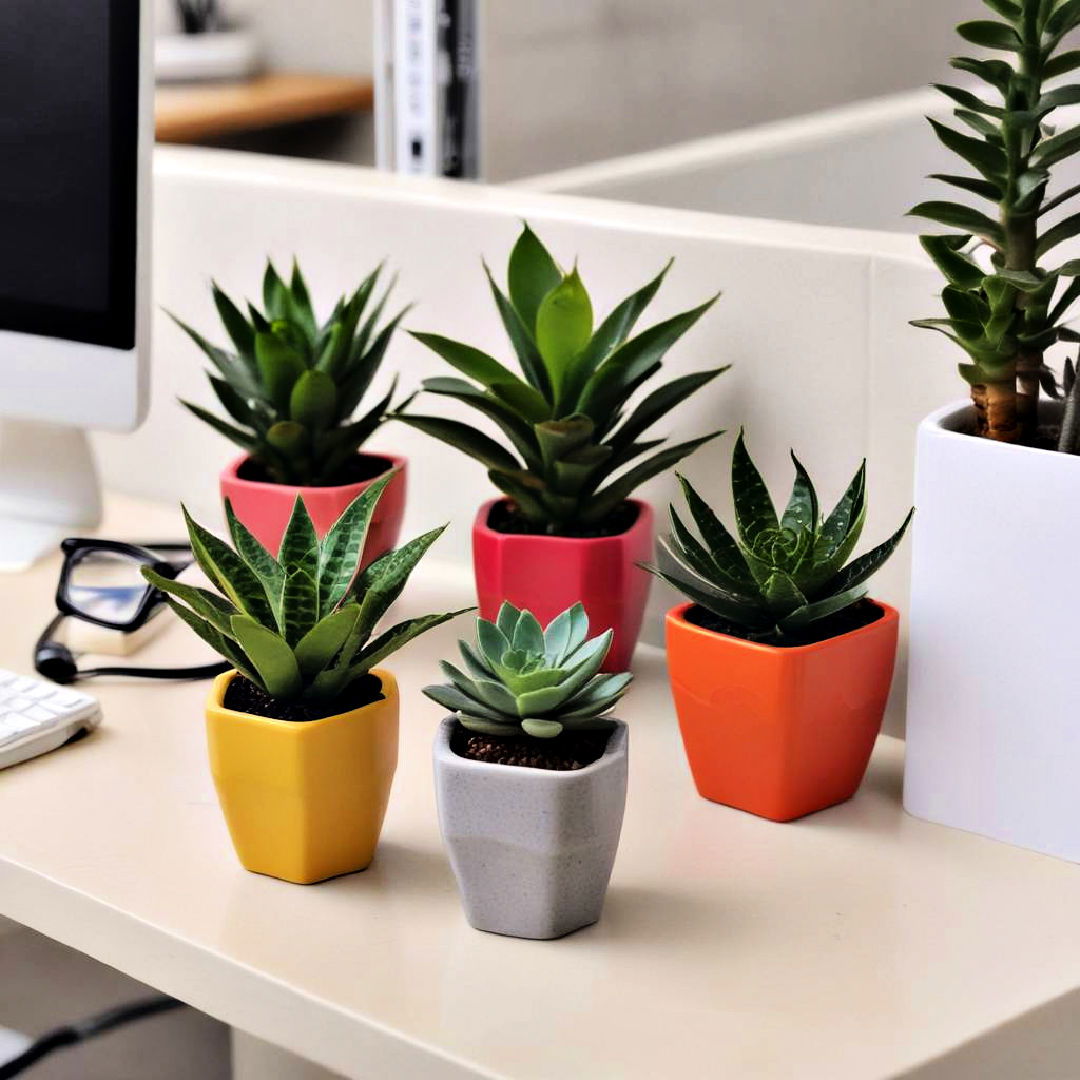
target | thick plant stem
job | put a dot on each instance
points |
(1028, 365)
(995, 403)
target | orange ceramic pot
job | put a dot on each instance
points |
(266, 508)
(780, 733)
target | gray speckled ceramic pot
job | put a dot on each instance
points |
(532, 849)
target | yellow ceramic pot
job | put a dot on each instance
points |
(304, 801)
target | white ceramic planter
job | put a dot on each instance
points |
(993, 723)
(224, 54)
(532, 849)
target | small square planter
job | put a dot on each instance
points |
(993, 719)
(265, 508)
(304, 801)
(532, 849)
(547, 574)
(780, 732)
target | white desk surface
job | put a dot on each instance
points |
(856, 944)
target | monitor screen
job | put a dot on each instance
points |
(69, 101)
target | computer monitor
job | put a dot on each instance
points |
(76, 135)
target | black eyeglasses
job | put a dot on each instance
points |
(101, 582)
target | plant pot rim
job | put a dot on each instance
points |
(677, 616)
(616, 742)
(231, 471)
(222, 681)
(643, 520)
(942, 424)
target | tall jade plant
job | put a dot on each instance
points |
(1005, 306)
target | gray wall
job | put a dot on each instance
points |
(572, 81)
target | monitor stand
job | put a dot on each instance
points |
(49, 489)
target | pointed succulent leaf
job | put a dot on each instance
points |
(280, 365)
(383, 581)
(219, 642)
(229, 573)
(858, 571)
(240, 331)
(451, 697)
(611, 380)
(299, 606)
(299, 544)
(244, 439)
(559, 634)
(522, 340)
(821, 609)
(532, 275)
(802, 508)
(322, 643)
(262, 563)
(398, 636)
(207, 605)
(620, 489)
(466, 438)
(340, 552)
(313, 400)
(754, 511)
(660, 402)
(270, 655)
(564, 326)
(723, 547)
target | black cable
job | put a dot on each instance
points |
(71, 1034)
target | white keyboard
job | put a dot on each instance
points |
(37, 716)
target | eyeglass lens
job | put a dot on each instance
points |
(106, 585)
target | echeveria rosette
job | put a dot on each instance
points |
(574, 448)
(290, 386)
(778, 575)
(522, 678)
(300, 624)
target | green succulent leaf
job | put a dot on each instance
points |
(532, 275)
(270, 656)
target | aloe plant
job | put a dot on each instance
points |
(525, 679)
(290, 386)
(576, 450)
(1004, 307)
(300, 625)
(781, 573)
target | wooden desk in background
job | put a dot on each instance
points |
(193, 113)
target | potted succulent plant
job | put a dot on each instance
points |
(303, 733)
(530, 773)
(567, 529)
(290, 390)
(205, 45)
(779, 664)
(991, 694)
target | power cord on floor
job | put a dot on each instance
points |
(71, 1034)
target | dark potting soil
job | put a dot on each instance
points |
(855, 617)
(504, 517)
(359, 470)
(564, 753)
(244, 696)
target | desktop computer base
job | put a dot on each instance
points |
(49, 489)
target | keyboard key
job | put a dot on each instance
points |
(39, 715)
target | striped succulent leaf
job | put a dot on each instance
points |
(290, 386)
(779, 573)
(520, 677)
(300, 623)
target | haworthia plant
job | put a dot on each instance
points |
(574, 450)
(1003, 305)
(522, 678)
(779, 574)
(300, 624)
(290, 386)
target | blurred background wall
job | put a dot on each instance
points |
(572, 81)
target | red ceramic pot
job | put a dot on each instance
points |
(265, 508)
(777, 732)
(548, 574)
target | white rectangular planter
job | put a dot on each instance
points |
(993, 724)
